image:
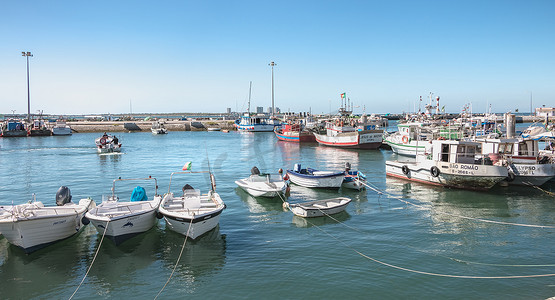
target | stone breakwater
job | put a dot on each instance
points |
(126, 126)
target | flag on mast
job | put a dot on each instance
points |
(187, 166)
(343, 96)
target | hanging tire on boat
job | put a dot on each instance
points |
(511, 176)
(85, 220)
(434, 171)
(405, 170)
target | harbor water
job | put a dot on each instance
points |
(397, 240)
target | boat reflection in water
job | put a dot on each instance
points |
(320, 221)
(259, 204)
(64, 263)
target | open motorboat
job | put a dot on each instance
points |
(355, 180)
(107, 144)
(158, 128)
(191, 213)
(456, 164)
(263, 185)
(121, 220)
(318, 208)
(314, 178)
(32, 226)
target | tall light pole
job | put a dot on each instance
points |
(27, 54)
(272, 64)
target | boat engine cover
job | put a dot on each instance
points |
(255, 171)
(63, 196)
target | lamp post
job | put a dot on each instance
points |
(272, 64)
(27, 54)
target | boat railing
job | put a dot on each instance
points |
(189, 172)
(135, 179)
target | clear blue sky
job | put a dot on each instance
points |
(94, 57)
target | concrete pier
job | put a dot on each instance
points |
(130, 126)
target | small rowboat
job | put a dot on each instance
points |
(319, 208)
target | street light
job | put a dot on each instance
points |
(27, 54)
(272, 64)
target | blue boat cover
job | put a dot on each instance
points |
(139, 194)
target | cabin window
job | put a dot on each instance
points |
(522, 149)
(444, 152)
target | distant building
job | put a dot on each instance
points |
(229, 110)
(270, 110)
(259, 109)
(545, 111)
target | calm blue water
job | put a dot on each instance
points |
(261, 251)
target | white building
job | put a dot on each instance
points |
(545, 111)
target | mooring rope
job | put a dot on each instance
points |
(424, 272)
(94, 258)
(179, 258)
(539, 188)
(454, 215)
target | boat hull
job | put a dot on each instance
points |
(262, 189)
(328, 181)
(36, 232)
(61, 131)
(122, 225)
(366, 139)
(14, 133)
(464, 176)
(189, 219)
(320, 208)
(295, 136)
(531, 174)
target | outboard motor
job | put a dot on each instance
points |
(187, 187)
(297, 168)
(255, 171)
(63, 196)
(347, 167)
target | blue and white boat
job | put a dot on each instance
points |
(314, 178)
(256, 123)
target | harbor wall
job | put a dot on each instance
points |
(127, 126)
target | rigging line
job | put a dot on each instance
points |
(460, 216)
(94, 258)
(429, 273)
(178, 258)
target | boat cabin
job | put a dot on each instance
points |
(461, 152)
(517, 149)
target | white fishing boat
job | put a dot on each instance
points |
(353, 179)
(107, 144)
(121, 220)
(456, 164)
(318, 208)
(410, 139)
(191, 213)
(314, 178)
(526, 165)
(158, 128)
(263, 185)
(32, 226)
(61, 128)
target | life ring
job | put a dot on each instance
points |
(103, 141)
(286, 177)
(511, 176)
(405, 139)
(405, 170)
(434, 171)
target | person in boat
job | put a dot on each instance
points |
(115, 139)
(104, 139)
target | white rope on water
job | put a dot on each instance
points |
(178, 259)
(455, 215)
(94, 258)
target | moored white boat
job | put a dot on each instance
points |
(314, 178)
(32, 226)
(122, 220)
(525, 163)
(61, 128)
(107, 144)
(263, 185)
(453, 164)
(191, 213)
(318, 208)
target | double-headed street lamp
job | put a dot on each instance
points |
(27, 54)
(272, 64)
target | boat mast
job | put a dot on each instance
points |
(249, 104)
